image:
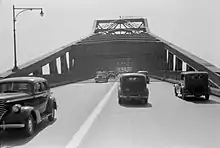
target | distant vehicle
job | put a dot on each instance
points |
(101, 76)
(112, 74)
(25, 102)
(193, 84)
(133, 87)
(146, 74)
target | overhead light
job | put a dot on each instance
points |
(42, 13)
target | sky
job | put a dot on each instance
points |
(190, 24)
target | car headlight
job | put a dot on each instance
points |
(16, 108)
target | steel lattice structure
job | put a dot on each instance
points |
(123, 25)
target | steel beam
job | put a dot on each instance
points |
(170, 61)
(38, 72)
(179, 64)
(64, 67)
(189, 68)
(107, 25)
(71, 60)
(53, 67)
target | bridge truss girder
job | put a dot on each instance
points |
(121, 26)
(136, 26)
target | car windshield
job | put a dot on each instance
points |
(133, 83)
(15, 87)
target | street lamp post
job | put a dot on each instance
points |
(14, 28)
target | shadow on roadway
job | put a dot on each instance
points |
(134, 104)
(17, 138)
(200, 100)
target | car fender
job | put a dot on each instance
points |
(52, 101)
(119, 91)
(178, 88)
(148, 92)
(175, 85)
(28, 110)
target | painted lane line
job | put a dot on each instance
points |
(78, 137)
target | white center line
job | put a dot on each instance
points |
(78, 137)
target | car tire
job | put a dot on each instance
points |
(183, 95)
(120, 101)
(176, 94)
(206, 97)
(29, 126)
(145, 102)
(51, 117)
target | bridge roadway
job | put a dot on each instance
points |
(166, 122)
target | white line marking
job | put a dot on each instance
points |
(78, 137)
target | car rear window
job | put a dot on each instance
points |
(133, 79)
(197, 77)
(134, 83)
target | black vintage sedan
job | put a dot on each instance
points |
(193, 83)
(133, 86)
(25, 102)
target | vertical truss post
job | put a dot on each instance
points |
(170, 61)
(178, 65)
(53, 67)
(64, 67)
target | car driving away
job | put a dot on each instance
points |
(101, 76)
(111, 75)
(25, 102)
(132, 86)
(193, 83)
(146, 74)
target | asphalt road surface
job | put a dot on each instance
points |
(89, 116)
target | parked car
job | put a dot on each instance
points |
(25, 102)
(193, 83)
(146, 74)
(132, 86)
(101, 76)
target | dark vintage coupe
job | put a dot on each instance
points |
(25, 102)
(193, 83)
(133, 86)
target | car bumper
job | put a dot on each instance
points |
(101, 80)
(133, 97)
(10, 126)
(195, 94)
(186, 92)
